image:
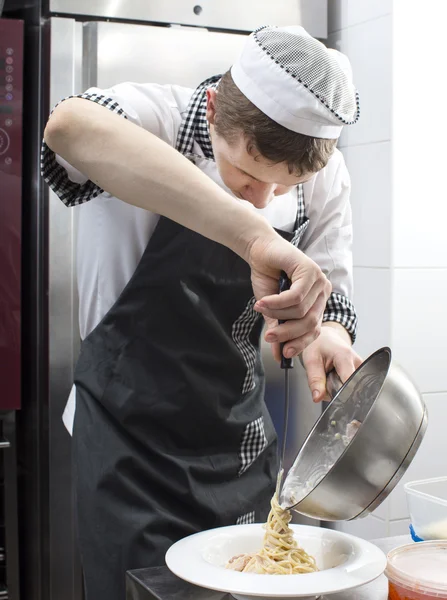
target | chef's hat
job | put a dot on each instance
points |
(298, 82)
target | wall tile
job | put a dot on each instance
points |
(400, 527)
(430, 461)
(345, 13)
(383, 510)
(372, 299)
(420, 204)
(369, 528)
(368, 47)
(369, 166)
(420, 326)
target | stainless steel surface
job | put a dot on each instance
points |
(382, 397)
(64, 340)
(122, 53)
(90, 51)
(402, 469)
(219, 14)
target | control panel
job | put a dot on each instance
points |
(11, 113)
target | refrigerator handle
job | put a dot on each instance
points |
(89, 55)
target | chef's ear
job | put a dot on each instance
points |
(211, 105)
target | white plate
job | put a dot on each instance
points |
(345, 562)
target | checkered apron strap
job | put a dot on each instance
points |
(241, 332)
(301, 222)
(246, 519)
(194, 126)
(254, 441)
(301, 208)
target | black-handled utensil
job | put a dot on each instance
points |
(286, 364)
(284, 285)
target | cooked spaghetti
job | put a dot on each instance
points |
(280, 554)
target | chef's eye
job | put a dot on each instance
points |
(247, 174)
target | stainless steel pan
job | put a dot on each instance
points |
(361, 446)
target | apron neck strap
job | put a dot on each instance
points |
(194, 127)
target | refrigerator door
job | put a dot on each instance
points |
(182, 55)
(218, 14)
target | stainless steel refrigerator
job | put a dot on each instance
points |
(70, 46)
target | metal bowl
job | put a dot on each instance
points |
(338, 476)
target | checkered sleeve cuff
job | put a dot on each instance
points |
(341, 310)
(70, 192)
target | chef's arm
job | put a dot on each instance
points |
(136, 166)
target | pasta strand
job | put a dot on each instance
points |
(280, 554)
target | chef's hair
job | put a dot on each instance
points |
(235, 114)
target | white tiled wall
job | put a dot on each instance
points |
(370, 169)
(395, 155)
(345, 13)
(373, 305)
(420, 326)
(369, 528)
(419, 241)
(419, 147)
(368, 46)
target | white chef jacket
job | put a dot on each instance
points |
(113, 235)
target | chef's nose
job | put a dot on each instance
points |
(260, 194)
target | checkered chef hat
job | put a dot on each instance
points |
(298, 82)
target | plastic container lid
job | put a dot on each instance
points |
(420, 567)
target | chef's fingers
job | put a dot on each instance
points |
(297, 293)
(297, 334)
(297, 311)
(275, 346)
(316, 375)
(276, 351)
(346, 362)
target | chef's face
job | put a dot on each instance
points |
(245, 172)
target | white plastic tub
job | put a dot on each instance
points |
(427, 503)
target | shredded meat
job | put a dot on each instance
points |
(239, 562)
(352, 428)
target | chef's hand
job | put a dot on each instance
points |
(332, 350)
(301, 307)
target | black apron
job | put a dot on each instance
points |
(171, 433)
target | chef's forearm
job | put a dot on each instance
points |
(140, 169)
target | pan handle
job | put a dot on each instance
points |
(333, 383)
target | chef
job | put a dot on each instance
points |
(192, 202)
